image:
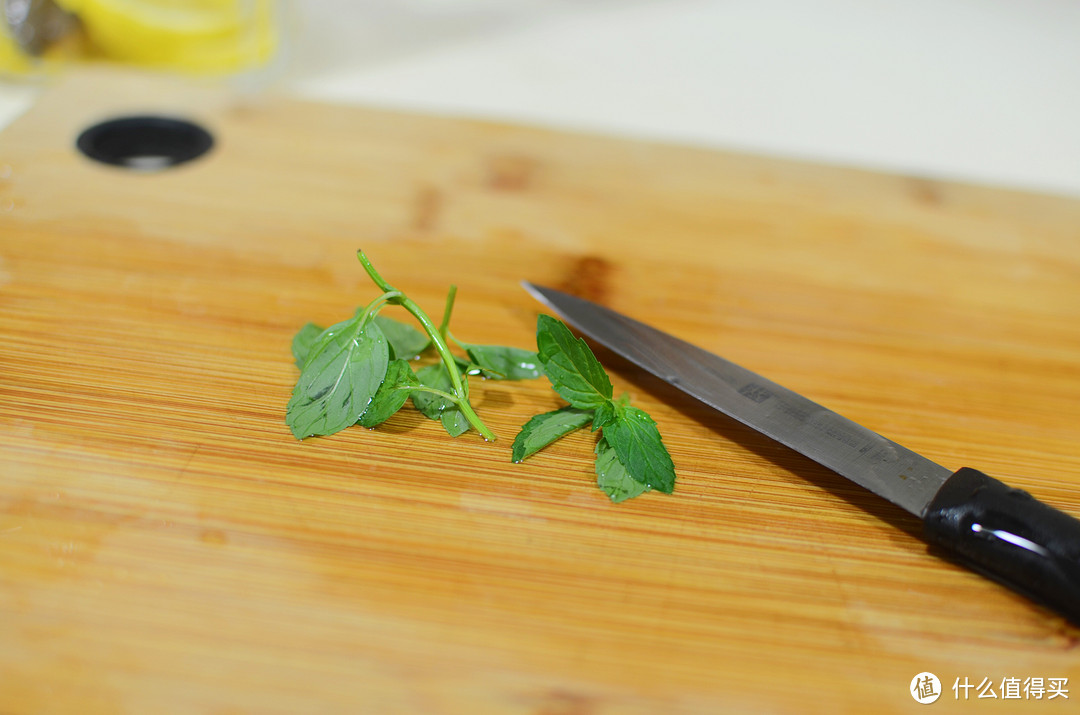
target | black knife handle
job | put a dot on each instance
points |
(1010, 536)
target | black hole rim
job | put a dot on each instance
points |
(145, 142)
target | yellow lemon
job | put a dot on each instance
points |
(199, 36)
(12, 59)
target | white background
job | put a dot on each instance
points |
(976, 90)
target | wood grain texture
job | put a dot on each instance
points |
(167, 546)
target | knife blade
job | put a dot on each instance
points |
(996, 530)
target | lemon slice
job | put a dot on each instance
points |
(199, 36)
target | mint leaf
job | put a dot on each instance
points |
(454, 422)
(542, 430)
(573, 370)
(504, 363)
(604, 415)
(303, 340)
(389, 398)
(406, 342)
(431, 405)
(607, 412)
(636, 440)
(341, 372)
(612, 476)
(437, 407)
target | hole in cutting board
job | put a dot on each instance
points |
(145, 143)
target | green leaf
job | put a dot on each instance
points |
(436, 377)
(406, 342)
(573, 370)
(437, 407)
(505, 363)
(340, 375)
(635, 439)
(607, 412)
(390, 396)
(612, 476)
(303, 340)
(604, 415)
(543, 429)
(454, 422)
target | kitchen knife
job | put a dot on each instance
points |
(1001, 532)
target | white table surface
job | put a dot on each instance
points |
(975, 90)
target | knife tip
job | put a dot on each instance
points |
(533, 289)
(543, 295)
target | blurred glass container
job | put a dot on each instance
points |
(198, 37)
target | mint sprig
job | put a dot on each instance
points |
(631, 458)
(359, 371)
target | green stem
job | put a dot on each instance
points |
(451, 367)
(373, 307)
(444, 326)
(460, 389)
(450, 336)
(374, 274)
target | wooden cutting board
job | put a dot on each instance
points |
(166, 545)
